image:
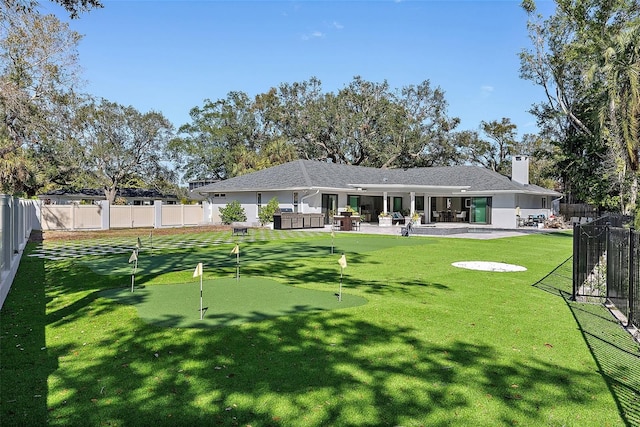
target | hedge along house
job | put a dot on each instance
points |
(468, 194)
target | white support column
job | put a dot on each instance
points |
(157, 204)
(5, 231)
(412, 196)
(384, 202)
(105, 214)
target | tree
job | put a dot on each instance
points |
(368, 124)
(121, 144)
(498, 154)
(38, 65)
(620, 109)
(38, 74)
(266, 212)
(232, 212)
(74, 7)
(220, 136)
(585, 57)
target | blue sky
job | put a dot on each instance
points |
(170, 56)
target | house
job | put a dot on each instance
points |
(132, 196)
(467, 194)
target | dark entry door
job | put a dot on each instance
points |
(329, 207)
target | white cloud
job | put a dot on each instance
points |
(486, 90)
(337, 25)
(313, 35)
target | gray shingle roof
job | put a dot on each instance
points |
(307, 174)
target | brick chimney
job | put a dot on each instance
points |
(520, 169)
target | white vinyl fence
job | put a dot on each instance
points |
(17, 219)
(103, 216)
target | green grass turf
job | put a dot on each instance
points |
(434, 345)
(227, 301)
(218, 256)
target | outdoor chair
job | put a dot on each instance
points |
(397, 217)
(462, 216)
(436, 216)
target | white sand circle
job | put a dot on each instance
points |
(488, 266)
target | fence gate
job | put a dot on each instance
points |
(606, 265)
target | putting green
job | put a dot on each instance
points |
(227, 301)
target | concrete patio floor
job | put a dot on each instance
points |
(449, 229)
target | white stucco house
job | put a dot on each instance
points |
(468, 194)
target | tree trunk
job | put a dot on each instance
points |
(110, 194)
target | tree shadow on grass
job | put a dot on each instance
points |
(330, 368)
(616, 353)
(25, 360)
(303, 370)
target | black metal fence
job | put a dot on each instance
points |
(606, 265)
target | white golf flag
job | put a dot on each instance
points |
(343, 261)
(198, 271)
(235, 250)
(133, 257)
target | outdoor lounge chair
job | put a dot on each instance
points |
(397, 217)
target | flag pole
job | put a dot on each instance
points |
(236, 250)
(198, 272)
(201, 312)
(134, 258)
(333, 234)
(343, 264)
(237, 266)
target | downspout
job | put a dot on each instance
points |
(302, 199)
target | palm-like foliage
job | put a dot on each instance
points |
(620, 113)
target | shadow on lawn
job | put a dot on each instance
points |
(301, 371)
(614, 350)
(327, 369)
(24, 357)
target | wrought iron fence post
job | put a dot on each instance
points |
(576, 259)
(632, 296)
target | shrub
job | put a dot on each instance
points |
(232, 212)
(265, 215)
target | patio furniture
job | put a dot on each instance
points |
(446, 215)
(436, 216)
(346, 223)
(397, 217)
(337, 223)
(240, 230)
(461, 216)
(355, 223)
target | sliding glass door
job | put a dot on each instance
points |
(480, 211)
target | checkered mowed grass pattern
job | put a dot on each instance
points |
(60, 250)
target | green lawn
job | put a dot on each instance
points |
(415, 341)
